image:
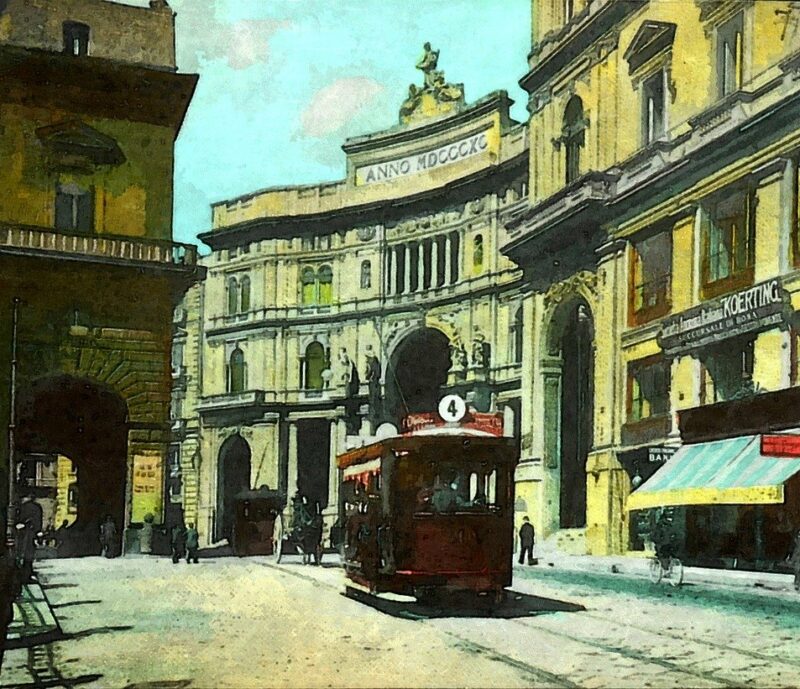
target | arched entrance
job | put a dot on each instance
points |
(417, 373)
(75, 418)
(572, 341)
(233, 476)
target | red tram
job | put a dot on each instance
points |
(430, 512)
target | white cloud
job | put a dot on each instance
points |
(333, 106)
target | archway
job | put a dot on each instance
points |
(417, 373)
(233, 476)
(572, 340)
(75, 418)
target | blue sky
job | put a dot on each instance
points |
(284, 82)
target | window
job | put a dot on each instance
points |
(314, 366)
(730, 49)
(325, 279)
(651, 278)
(477, 253)
(654, 108)
(573, 137)
(648, 389)
(74, 209)
(76, 38)
(237, 371)
(729, 244)
(308, 286)
(726, 371)
(245, 296)
(316, 286)
(233, 296)
(517, 337)
(366, 274)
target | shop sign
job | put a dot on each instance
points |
(786, 445)
(476, 421)
(147, 489)
(760, 307)
(659, 455)
(424, 161)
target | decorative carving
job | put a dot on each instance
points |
(581, 282)
(458, 355)
(436, 96)
(367, 233)
(480, 349)
(373, 378)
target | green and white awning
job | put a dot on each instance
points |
(721, 472)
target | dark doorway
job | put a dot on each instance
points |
(233, 476)
(82, 420)
(417, 373)
(576, 412)
(313, 460)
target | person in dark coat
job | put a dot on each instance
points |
(108, 537)
(527, 536)
(29, 527)
(178, 542)
(192, 544)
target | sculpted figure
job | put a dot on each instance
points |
(427, 63)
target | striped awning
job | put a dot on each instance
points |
(722, 472)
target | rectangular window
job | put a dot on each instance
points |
(730, 51)
(653, 108)
(74, 209)
(651, 278)
(727, 372)
(729, 244)
(648, 389)
(76, 38)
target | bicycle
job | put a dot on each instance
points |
(669, 568)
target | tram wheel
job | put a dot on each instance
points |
(655, 570)
(675, 572)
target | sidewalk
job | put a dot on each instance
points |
(638, 566)
(34, 622)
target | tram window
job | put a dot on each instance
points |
(459, 489)
(491, 488)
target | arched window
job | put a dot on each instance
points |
(315, 365)
(477, 253)
(325, 278)
(233, 296)
(573, 137)
(236, 371)
(308, 286)
(366, 274)
(245, 300)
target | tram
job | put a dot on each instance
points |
(430, 512)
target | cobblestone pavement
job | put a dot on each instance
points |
(140, 622)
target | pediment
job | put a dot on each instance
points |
(651, 39)
(76, 144)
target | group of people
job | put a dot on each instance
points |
(185, 542)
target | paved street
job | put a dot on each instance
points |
(240, 623)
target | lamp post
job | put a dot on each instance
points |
(12, 421)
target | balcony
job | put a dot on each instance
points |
(233, 400)
(42, 242)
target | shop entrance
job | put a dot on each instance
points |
(417, 373)
(313, 460)
(77, 430)
(233, 476)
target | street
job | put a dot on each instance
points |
(247, 623)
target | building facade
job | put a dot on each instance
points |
(89, 275)
(330, 310)
(662, 229)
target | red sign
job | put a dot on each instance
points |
(476, 421)
(780, 445)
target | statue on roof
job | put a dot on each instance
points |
(428, 63)
(436, 96)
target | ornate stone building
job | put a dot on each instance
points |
(89, 114)
(330, 309)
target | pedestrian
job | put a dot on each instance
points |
(178, 542)
(29, 527)
(108, 537)
(796, 561)
(192, 544)
(527, 536)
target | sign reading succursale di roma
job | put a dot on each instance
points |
(760, 307)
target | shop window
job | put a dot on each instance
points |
(727, 372)
(325, 280)
(573, 137)
(729, 244)
(233, 296)
(477, 254)
(366, 274)
(74, 209)
(654, 108)
(314, 366)
(648, 389)
(244, 302)
(651, 278)
(76, 38)
(730, 55)
(237, 371)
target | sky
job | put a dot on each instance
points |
(284, 82)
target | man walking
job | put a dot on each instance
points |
(29, 527)
(178, 542)
(192, 544)
(526, 540)
(108, 537)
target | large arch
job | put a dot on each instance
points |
(233, 476)
(87, 422)
(417, 372)
(569, 404)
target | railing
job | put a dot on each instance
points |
(233, 399)
(132, 249)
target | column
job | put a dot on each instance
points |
(388, 270)
(434, 262)
(448, 255)
(291, 474)
(420, 266)
(338, 436)
(407, 269)
(460, 257)
(392, 270)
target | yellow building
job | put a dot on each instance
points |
(89, 111)
(330, 309)
(662, 231)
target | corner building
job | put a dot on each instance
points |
(331, 309)
(661, 242)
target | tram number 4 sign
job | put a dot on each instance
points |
(452, 408)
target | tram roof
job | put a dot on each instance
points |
(415, 441)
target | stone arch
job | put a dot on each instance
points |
(233, 476)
